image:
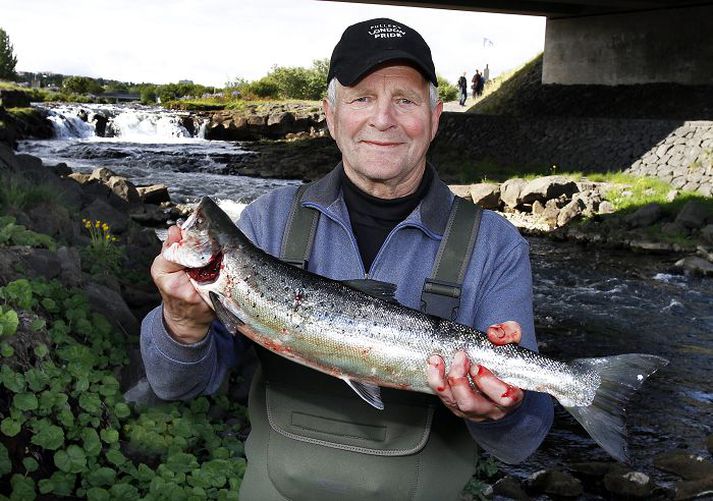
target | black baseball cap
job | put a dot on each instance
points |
(370, 43)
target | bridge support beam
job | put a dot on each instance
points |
(666, 45)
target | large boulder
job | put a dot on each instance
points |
(694, 215)
(510, 191)
(101, 210)
(109, 303)
(546, 188)
(631, 484)
(684, 464)
(154, 194)
(644, 216)
(556, 483)
(487, 195)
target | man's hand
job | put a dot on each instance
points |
(186, 316)
(487, 397)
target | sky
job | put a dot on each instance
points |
(214, 41)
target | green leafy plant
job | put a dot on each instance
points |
(16, 234)
(73, 435)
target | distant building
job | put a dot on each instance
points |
(187, 82)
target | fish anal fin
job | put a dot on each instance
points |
(225, 312)
(370, 393)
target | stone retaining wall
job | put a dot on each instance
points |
(677, 151)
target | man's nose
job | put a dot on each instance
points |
(383, 117)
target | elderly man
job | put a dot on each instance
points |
(380, 214)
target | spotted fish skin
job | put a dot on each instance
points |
(371, 342)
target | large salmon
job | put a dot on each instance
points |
(371, 341)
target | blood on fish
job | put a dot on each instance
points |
(208, 273)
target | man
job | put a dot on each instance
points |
(463, 86)
(382, 214)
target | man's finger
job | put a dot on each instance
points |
(505, 333)
(436, 376)
(501, 393)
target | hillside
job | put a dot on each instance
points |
(524, 95)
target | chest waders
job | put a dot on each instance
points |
(313, 439)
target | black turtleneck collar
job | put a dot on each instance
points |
(373, 218)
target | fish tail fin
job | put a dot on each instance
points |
(621, 376)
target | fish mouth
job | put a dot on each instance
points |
(208, 273)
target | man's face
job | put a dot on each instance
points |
(383, 126)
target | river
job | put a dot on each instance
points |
(588, 301)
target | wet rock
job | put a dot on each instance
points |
(632, 484)
(487, 195)
(684, 464)
(556, 483)
(154, 194)
(102, 174)
(694, 215)
(61, 169)
(674, 228)
(709, 443)
(510, 487)
(645, 216)
(694, 489)
(70, 266)
(596, 469)
(694, 264)
(100, 210)
(27, 262)
(109, 303)
(707, 233)
(124, 189)
(547, 188)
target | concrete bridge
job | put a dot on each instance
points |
(612, 42)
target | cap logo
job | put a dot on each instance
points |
(386, 30)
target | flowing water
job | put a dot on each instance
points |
(589, 302)
(148, 145)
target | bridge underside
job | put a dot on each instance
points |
(612, 42)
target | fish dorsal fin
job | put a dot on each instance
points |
(375, 288)
(224, 312)
(371, 393)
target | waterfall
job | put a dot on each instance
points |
(123, 123)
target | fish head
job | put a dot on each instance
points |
(205, 236)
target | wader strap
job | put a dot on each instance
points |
(441, 292)
(299, 232)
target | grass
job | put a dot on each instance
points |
(499, 89)
(19, 194)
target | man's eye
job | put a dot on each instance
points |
(405, 102)
(360, 100)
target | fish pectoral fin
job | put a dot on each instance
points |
(370, 393)
(225, 312)
(375, 288)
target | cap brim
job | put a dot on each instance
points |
(352, 77)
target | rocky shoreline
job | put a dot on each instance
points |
(132, 211)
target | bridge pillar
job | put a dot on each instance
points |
(665, 45)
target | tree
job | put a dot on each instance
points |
(82, 85)
(7, 58)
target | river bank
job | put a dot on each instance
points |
(124, 298)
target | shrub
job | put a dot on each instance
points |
(446, 91)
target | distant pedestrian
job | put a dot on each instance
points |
(463, 86)
(478, 84)
(486, 74)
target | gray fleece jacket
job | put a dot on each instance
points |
(497, 288)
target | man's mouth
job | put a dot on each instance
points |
(383, 144)
(208, 273)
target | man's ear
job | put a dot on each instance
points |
(436, 118)
(328, 115)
